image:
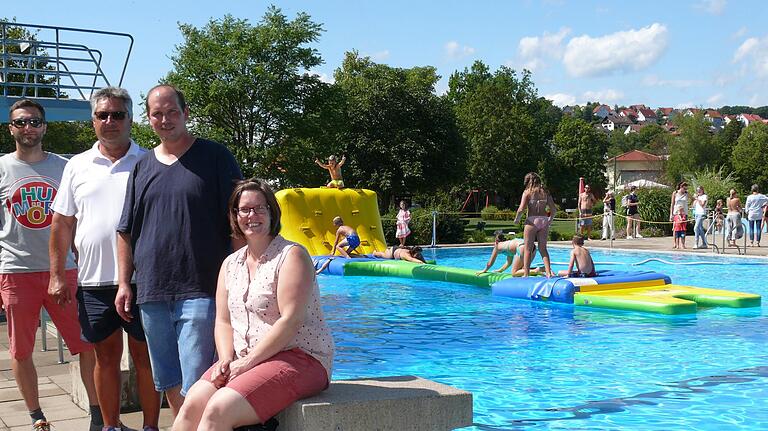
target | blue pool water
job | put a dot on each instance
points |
(554, 366)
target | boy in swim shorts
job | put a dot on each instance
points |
(346, 236)
(334, 169)
(581, 259)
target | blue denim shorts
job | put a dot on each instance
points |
(180, 340)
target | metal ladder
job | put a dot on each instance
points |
(712, 236)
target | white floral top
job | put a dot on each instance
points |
(253, 306)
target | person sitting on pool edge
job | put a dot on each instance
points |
(346, 236)
(513, 250)
(580, 256)
(411, 254)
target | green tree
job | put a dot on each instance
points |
(652, 139)
(400, 137)
(726, 141)
(693, 150)
(579, 150)
(505, 124)
(750, 156)
(246, 84)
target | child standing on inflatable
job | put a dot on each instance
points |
(334, 169)
(350, 238)
(403, 218)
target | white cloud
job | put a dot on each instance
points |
(323, 76)
(455, 51)
(534, 49)
(561, 99)
(624, 50)
(715, 99)
(753, 54)
(741, 32)
(714, 7)
(655, 81)
(603, 96)
(747, 47)
(380, 56)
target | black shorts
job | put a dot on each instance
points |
(98, 315)
(679, 234)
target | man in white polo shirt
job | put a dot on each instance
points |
(91, 199)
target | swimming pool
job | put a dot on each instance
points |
(534, 365)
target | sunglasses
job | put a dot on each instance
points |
(20, 123)
(117, 115)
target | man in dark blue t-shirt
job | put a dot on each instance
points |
(175, 231)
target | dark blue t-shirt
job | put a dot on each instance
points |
(177, 217)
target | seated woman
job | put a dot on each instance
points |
(513, 250)
(273, 344)
(411, 254)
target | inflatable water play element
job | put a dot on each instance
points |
(373, 267)
(625, 290)
(307, 216)
(645, 291)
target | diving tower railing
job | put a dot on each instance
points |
(54, 66)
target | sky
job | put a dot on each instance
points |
(696, 53)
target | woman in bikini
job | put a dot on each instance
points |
(537, 201)
(410, 254)
(513, 250)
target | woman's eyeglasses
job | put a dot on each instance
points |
(258, 210)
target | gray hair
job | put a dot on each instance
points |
(110, 93)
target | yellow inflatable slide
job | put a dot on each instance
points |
(307, 217)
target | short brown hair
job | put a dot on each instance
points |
(179, 96)
(26, 103)
(578, 240)
(256, 185)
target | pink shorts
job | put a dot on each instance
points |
(24, 294)
(276, 383)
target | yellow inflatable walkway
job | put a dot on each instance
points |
(666, 299)
(307, 217)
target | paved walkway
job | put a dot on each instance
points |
(55, 385)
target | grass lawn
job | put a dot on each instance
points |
(563, 227)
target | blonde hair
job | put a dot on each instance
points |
(532, 181)
(338, 220)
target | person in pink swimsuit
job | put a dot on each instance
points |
(273, 344)
(541, 211)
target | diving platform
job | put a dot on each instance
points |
(59, 67)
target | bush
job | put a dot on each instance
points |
(716, 184)
(450, 227)
(478, 236)
(492, 213)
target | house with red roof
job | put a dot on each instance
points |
(645, 115)
(631, 166)
(714, 117)
(602, 111)
(747, 119)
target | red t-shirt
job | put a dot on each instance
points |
(679, 223)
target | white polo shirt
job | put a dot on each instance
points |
(93, 190)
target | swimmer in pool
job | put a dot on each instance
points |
(410, 254)
(346, 236)
(513, 250)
